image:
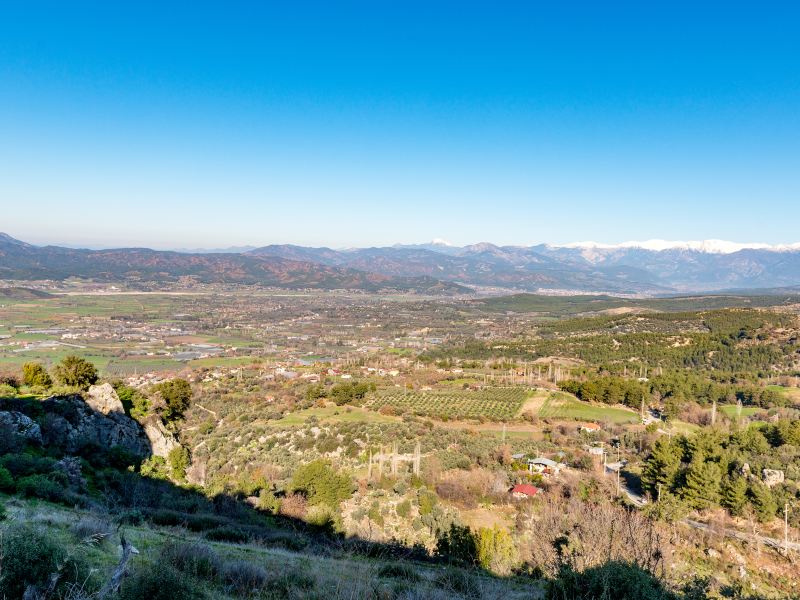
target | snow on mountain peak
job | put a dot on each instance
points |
(707, 246)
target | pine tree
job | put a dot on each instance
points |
(661, 467)
(703, 480)
(734, 495)
(763, 501)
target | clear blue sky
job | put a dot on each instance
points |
(340, 123)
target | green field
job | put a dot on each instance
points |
(793, 394)
(729, 410)
(559, 405)
(334, 413)
(494, 403)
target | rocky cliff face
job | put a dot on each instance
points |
(17, 423)
(72, 422)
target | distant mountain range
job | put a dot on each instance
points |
(654, 267)
(25, 262)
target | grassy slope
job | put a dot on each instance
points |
(560, 405)
(336, 578)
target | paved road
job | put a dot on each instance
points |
(745, 537)
(639, 501)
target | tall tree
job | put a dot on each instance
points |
(734, 494)
(662, 466)
(703, 481)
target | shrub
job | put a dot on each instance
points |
(197, 560)
(244, 578)
(7, 391)
(40, 486)
(287, 582)
(27, 557)
(268, 501)
(3, 513)
(21, 465)
(176, 395)
(496, 550)
(6, 480)
(75, 372)
(615, 579)
(321, 484)
(228, 534)
(167, 518)
(457, 544)
(159, 581)
(92, 529)
(178, 461)
(458, 582)
(35, 375)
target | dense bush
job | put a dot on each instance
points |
(75, 371)
(244, 578)
(320, 484)
(618, 580)
(6, 480)
(22, 465)
(197, 560)
(228, 534)
(159, 581)
(40, 486)
(35, 375)
(28, 557)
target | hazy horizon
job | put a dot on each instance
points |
(371, 125)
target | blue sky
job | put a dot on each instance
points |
(371, 123)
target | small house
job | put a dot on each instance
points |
(524, 490)
(545, 466)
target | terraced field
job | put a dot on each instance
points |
(493, 403)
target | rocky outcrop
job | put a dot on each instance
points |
(70, 422)
(773, 477)
(21, 425)
(103, 398)
(162, 441)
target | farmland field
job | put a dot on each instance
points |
(559, 405)
(493, 403)
(730, 410)
(792, 393)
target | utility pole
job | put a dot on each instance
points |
(786, 527)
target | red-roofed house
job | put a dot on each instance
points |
(524, 490)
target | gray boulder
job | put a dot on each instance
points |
(22, 425)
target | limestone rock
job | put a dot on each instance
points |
(772, 477)
(161, 439)
(71, 423)
(103, 398)
(22, 425)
